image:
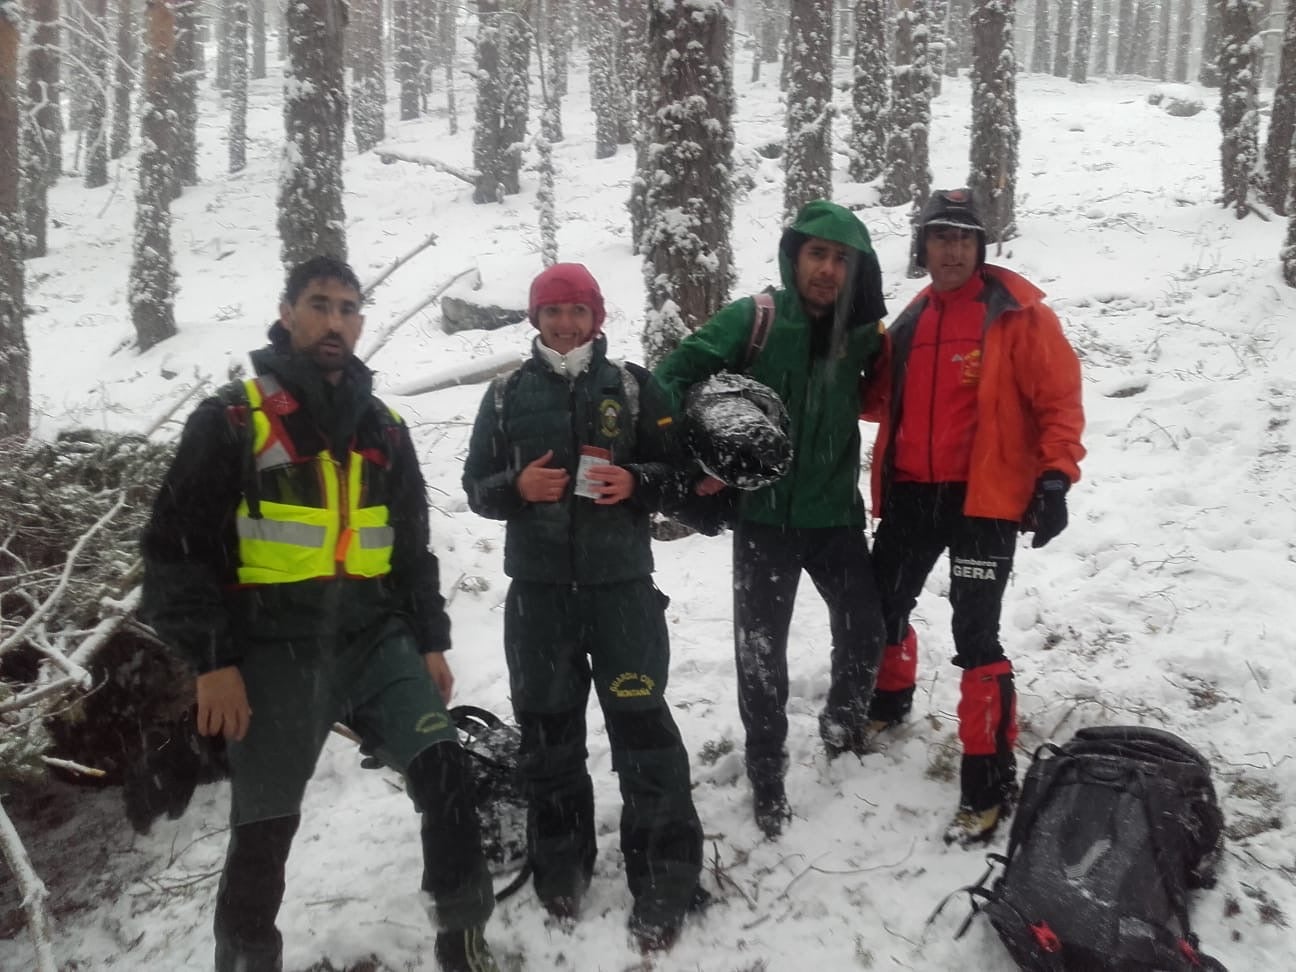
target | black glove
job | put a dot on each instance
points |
(1046, 516)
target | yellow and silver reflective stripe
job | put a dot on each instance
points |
(282, 531)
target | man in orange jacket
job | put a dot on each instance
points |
(980, 419)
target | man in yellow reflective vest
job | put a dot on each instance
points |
(287, 558)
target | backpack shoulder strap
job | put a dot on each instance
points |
(762, 320)
(501, 386)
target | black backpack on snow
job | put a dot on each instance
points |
(1111, 832)
(492, 748)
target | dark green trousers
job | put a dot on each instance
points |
(379, 686)
(558, 642)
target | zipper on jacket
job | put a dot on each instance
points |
(931, 406)
(571, 494)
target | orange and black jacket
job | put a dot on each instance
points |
(1030, 415)
(198, 593)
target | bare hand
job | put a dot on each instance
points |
(618, 484)
(223, 708)
(539, 484)
(439, 669)
(709, 486)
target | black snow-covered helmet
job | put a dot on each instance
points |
(950, 207)
(737, 430)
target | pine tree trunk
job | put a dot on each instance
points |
(96, 132)
(369, 76)
(808, 153)
(1062, 52)
(907, 176)
(1161, 67)
(447, 41)
(488, 135)
(1208, 72)
(1239, 103)
(312, 220)
(220, 22)
(1287, 255)
(558, 41)
(1103, 51)
(1126, 14)
(152, 276)
(187, 72)
(958, 38)
(238, 78)
(123, 79)
(631, 44)
(515, 105)
(995, 133)
(43, 162)
(1184, 49)
(603, 29)
(644, 93)
(1084, 31)
(938, 14)
(773, 21)
(1144, 38)
(258, 26)
(1040, 47)
(551, 126)
(1282, 122)
(870, 93)
(688, 262)
(15, 358)
(407, 58)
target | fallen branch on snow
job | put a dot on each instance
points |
(33, 892)
(391, 155)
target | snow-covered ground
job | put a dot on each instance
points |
(1168, 601)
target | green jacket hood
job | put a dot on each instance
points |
(827, 221)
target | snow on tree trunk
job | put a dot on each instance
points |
(123, 79)
(1144, 38)
(1040, 47)
(1103, 51)
(96, 62)
(1239, 62)
(907, 175)
(1084, 31)
(1208, 71)
(870, 92)
(1282, 122)
(447, 40)
(1126, 14)
(238, 90)
(958, 38)
(1287, 255)
(807, 156)
(311, 216)
(773, 23)
(406, 57)
(1161, 65)
(1184, 48)
(188, 69)
(369, 75)
(631, 43)
(551, 127)
(688, 260)
(558, 42)
(257, 25)
(644, 88)
(937, 15)
(995, 133)
(603, 29)
(503, 56)
(1062, 52)
(545, 202)
(15, 359)
(220, 22)
(152, 276)
(41, 135)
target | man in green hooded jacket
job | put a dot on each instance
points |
(825, 334)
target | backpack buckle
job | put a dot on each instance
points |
(1046, 938)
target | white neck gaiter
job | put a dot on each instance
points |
(568, 365)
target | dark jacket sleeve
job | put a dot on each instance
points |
(490, 475)
(658, 467)
(188, 542)
(416, 574)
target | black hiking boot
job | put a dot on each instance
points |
(464, 950)
(769, 803)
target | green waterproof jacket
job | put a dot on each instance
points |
(533, 410)
(813, 366)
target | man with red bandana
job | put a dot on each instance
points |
(980, 417)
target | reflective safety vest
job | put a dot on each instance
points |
(284, 542)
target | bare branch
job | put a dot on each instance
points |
(33, 892)
(392, 155)
(370, 285)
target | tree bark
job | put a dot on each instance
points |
(188, 70)
(96, 60)
(369, 75)
(1083, 35)
(907, 176)
(15, 358)
(407, 58)
(1208, 72)
(1040, 47)
(1102, 49)
(1282, 122)
(995, 133)
(152, 276)
(1239, 103)
(123, 79)
(258, 32)
(688, 260)
(43, 158)
(312, 220)
(604, 27)
(1062, 52)
(870, 93)
(1184, 51)
(238, 78)
(808, 152)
